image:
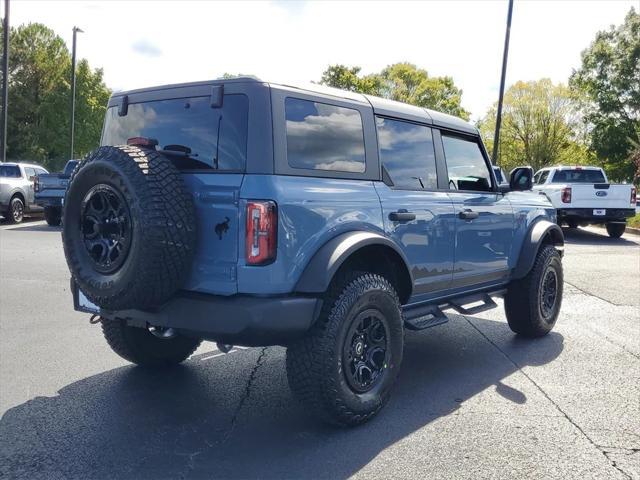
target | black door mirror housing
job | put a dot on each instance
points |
(521, 178)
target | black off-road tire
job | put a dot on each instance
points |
(162, 227)
(615, 230)
(524, 302)
(53, 216)
(315, 367)
(141, 347)
(15, 213)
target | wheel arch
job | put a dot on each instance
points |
(366, 251)
(542, 232)
(20, 194)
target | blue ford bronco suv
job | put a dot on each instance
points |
(326, 221)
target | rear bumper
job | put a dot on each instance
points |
(586, 215)
(238, 320)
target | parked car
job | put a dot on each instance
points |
(49, 192)
(323, 220)
(584, 196)
(16, 189)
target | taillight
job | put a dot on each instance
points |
(566, 195)
(142, 142)
(36, 184)
(634, 196)
(262, 230)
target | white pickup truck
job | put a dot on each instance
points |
(584, 196)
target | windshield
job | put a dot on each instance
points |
(197, 135)
(578, 176)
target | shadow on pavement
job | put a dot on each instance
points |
(580, 236)
(233, 416)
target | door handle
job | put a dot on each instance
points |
(402, 216)
(468, 215)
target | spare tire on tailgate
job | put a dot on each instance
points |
(128, 228)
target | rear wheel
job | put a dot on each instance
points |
(615, 230)
(532, 303)
(15, 214)
(53, 216)
(344, 369)
(148, 347)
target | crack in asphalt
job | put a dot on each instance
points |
(234, 418)
(611, 341)
(553, 402)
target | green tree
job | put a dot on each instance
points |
(610, 78)
(540, 126)
(403, 82)
(39, 98)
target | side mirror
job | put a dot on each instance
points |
(521, 178)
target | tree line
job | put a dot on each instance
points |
(593, 118)
(39, 87)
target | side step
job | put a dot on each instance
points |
(430, 315)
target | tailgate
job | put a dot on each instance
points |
(215, 197)
(600, 195)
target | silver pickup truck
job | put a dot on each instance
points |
(50, 190)
(16, 190)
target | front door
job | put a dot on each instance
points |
(419, 218)
(484, 218)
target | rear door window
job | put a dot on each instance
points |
(466, 164)
(407, 154)
(207, 137)
(321, 136)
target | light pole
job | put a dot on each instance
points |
(5, 82)
(73, 87)
(505, 54)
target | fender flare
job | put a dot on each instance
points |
(532, 242)
(320, 270)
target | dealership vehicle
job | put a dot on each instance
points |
(256, 214)
(584, 196)
(16, 190)
(49, 192)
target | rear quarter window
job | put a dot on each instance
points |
(321, 136)
(9, 171)
(217, 137)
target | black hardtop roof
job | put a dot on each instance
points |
(381, 106)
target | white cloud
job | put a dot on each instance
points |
(291, 42)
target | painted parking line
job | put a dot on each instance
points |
(23, 225)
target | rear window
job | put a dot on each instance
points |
(216, 137)
(9, 171)
(324, 137)
(578, 176)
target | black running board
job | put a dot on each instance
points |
(429, 315)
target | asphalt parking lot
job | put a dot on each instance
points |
(473, 401)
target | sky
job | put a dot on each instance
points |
(144, 43)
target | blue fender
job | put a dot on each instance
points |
(542, 231)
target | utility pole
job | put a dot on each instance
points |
(5, 82)
(496, 136)
(73, 88)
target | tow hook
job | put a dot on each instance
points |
(224, 347)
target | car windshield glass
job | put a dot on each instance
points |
(69, 167)
(9, 171)
(578, 176)
(206, 136)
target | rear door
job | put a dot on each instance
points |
(205, 134)
(29, 176)
(417, 216)
(484, 218)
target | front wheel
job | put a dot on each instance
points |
(532, 303)
(16, 210)
(155, 348)
(344, 369)
(615, 230)
(53, 216)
